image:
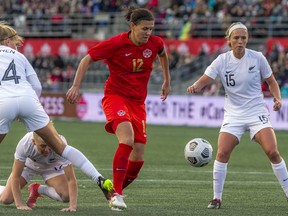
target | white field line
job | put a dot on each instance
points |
(190, 182)
(167, 181)
(193, 170)
(209, 181)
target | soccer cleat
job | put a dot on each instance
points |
(117, 202)
(33, 196)
(214, 204)
(106, 186)
(116, 209)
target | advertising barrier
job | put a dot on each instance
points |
(80, 47)
(187, 110)
(56, 105)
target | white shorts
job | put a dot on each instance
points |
(27, 108)
(46, 174)
(238, 126)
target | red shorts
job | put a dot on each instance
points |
(118, 108)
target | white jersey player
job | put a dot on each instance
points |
(249, 99)
(242, 72)
(34, 157)
(19, 99)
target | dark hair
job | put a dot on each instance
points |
(136, 15)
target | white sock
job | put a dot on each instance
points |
(219, 176)
(80, 161)
(281, 174)
(1, 189)
(50, 192)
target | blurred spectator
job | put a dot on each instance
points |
(210, 15)
(68, 73)
(284, 91)
(213, 89)
(183, 19)
(54, 80)
(265, 90)
(174, 57)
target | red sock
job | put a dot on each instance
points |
(133, 170)
(120, 163)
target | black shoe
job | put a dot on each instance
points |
(106, 186)
(214, 204)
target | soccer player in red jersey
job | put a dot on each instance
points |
(129, 56)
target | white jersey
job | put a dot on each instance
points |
(242, 80)
(15, 68)
(27, 153)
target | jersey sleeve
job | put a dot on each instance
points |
(104, 49)
(265, 68)
(20, 153)
(35, 83)
(214, 68)
(161, 46)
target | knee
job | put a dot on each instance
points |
(127, 139)
(274, 157)
(65, 197)
(223, 156)
(6, 201)
(137, 156)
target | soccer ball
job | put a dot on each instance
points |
(198, 152)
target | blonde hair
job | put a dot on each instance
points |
(232, 27)
(6, 31)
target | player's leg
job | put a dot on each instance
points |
(119, 123)
(53, 140)
(226, 144)
(136, 159)
(56, 188)
(267, 139)
(135, 163)
(51, 178)
(2, 136)
(28, 174)
(36, 119)
(51, 137)
(6, 196)
(7, 115)
(125, 135)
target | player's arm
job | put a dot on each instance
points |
(14, 178)
(203, 81)
(73, 93)
(275, 91)
(72, 187)
(163, 58)
(35, 83)
(33, 79)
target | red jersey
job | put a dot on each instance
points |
(130, 66)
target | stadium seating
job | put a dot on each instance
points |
(175, 19)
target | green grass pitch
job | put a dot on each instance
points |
(167, 185)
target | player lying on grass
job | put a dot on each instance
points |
(34, 157)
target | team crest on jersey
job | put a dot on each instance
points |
(121, 112)
(147, 53)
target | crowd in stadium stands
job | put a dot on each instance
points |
(278, 59)
(174, 8)
(165, 11)
(63, 69)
